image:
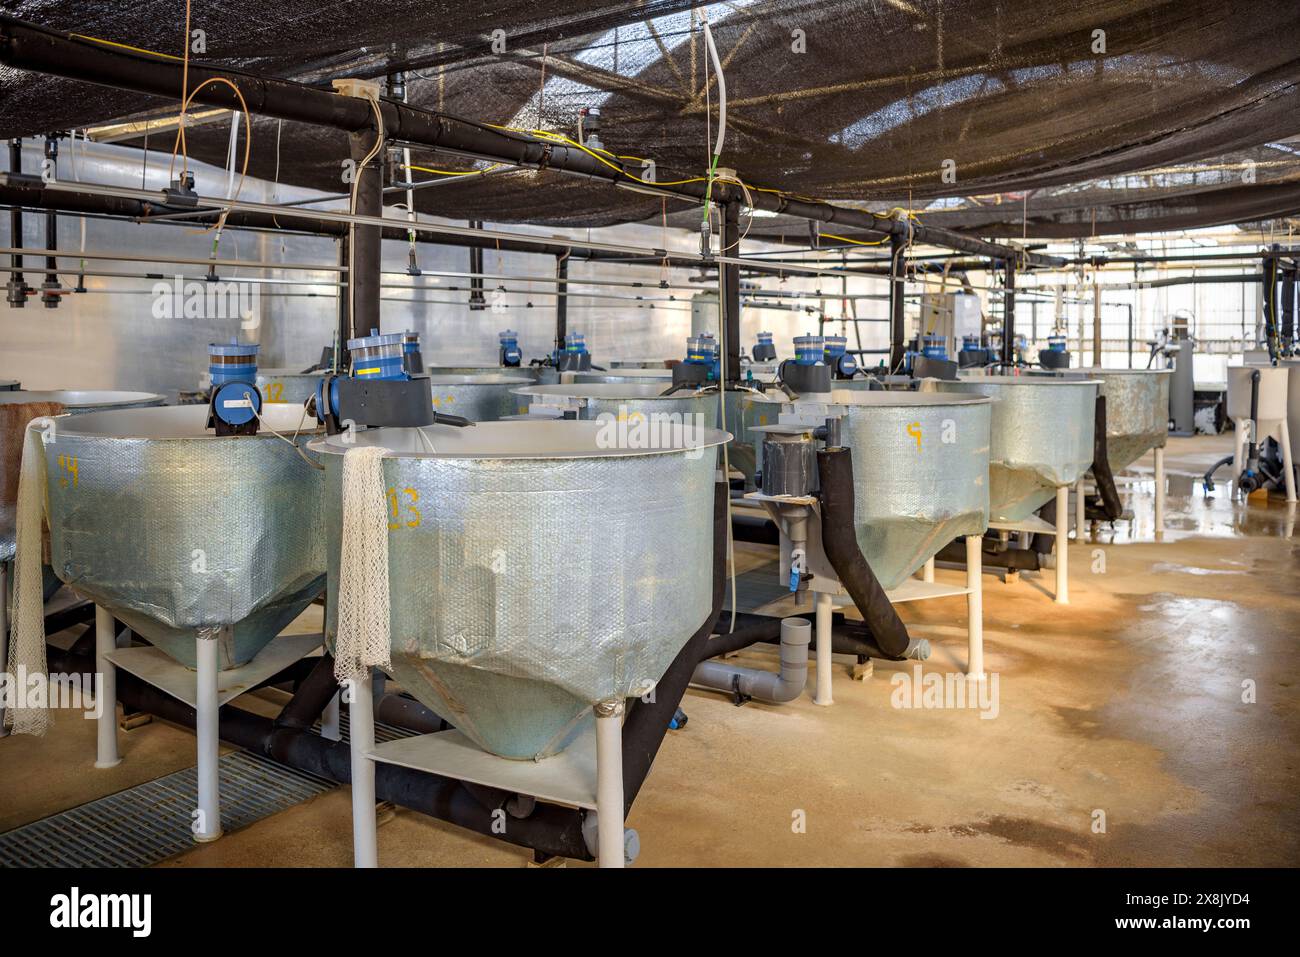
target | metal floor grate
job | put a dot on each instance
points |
(149, 823)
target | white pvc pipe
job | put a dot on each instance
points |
(1288, 465)
(975, 606)
(825, 610)
(1160, 493)
(1062, 545)
(207, 826)
(927, 570)
(609, 784)
(361, 717)
(106, 755)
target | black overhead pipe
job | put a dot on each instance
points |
(26, 46)
(840, 542)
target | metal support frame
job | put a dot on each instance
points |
(825, 615)
(975, 606)
(16, 288)
(477, 301)
(207, 823)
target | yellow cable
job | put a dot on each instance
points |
(450, 172)
(124, 46)
(855, 242)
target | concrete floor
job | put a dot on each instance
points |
(1127, 703)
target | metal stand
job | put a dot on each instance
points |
(1061, 530)
(927, 570)
(205, 689)
(1080, 511)
(587, 774)
(106, 755)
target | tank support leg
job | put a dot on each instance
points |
(1062, 544)
(361, 718)
(106, 755)
(609, 783)
(927, 570)
(207, 822)
(975, 606)
(825, 612)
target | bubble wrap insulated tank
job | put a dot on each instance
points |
(920, 473)
(533, 572)
(1042, 431)
(1137, 411)
(172, 528)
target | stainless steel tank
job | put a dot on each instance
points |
(1137, 411)
(920, 474)
(534, 570)
(173, 528)
(1041, 437)
(479, 398)
(625, 402)
(75, 401)
(621, 376)
(287, 385)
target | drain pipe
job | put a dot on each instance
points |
(770, 687)
(840, 542)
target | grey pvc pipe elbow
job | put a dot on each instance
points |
(771, 687)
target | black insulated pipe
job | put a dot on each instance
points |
(1106, 505)
(897, 323)
(647, 722)
(16, 288)
(729, 316)
(50, 288)
(364, 274)
(561, 301)
(1009, 316)
(840, 543)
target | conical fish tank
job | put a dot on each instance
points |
(1041, 437)
(1137, 411)
(920, 474)
(533, 570)
(173, 528)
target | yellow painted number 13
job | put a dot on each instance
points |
(402, 502)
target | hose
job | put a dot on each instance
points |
(840, 542)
